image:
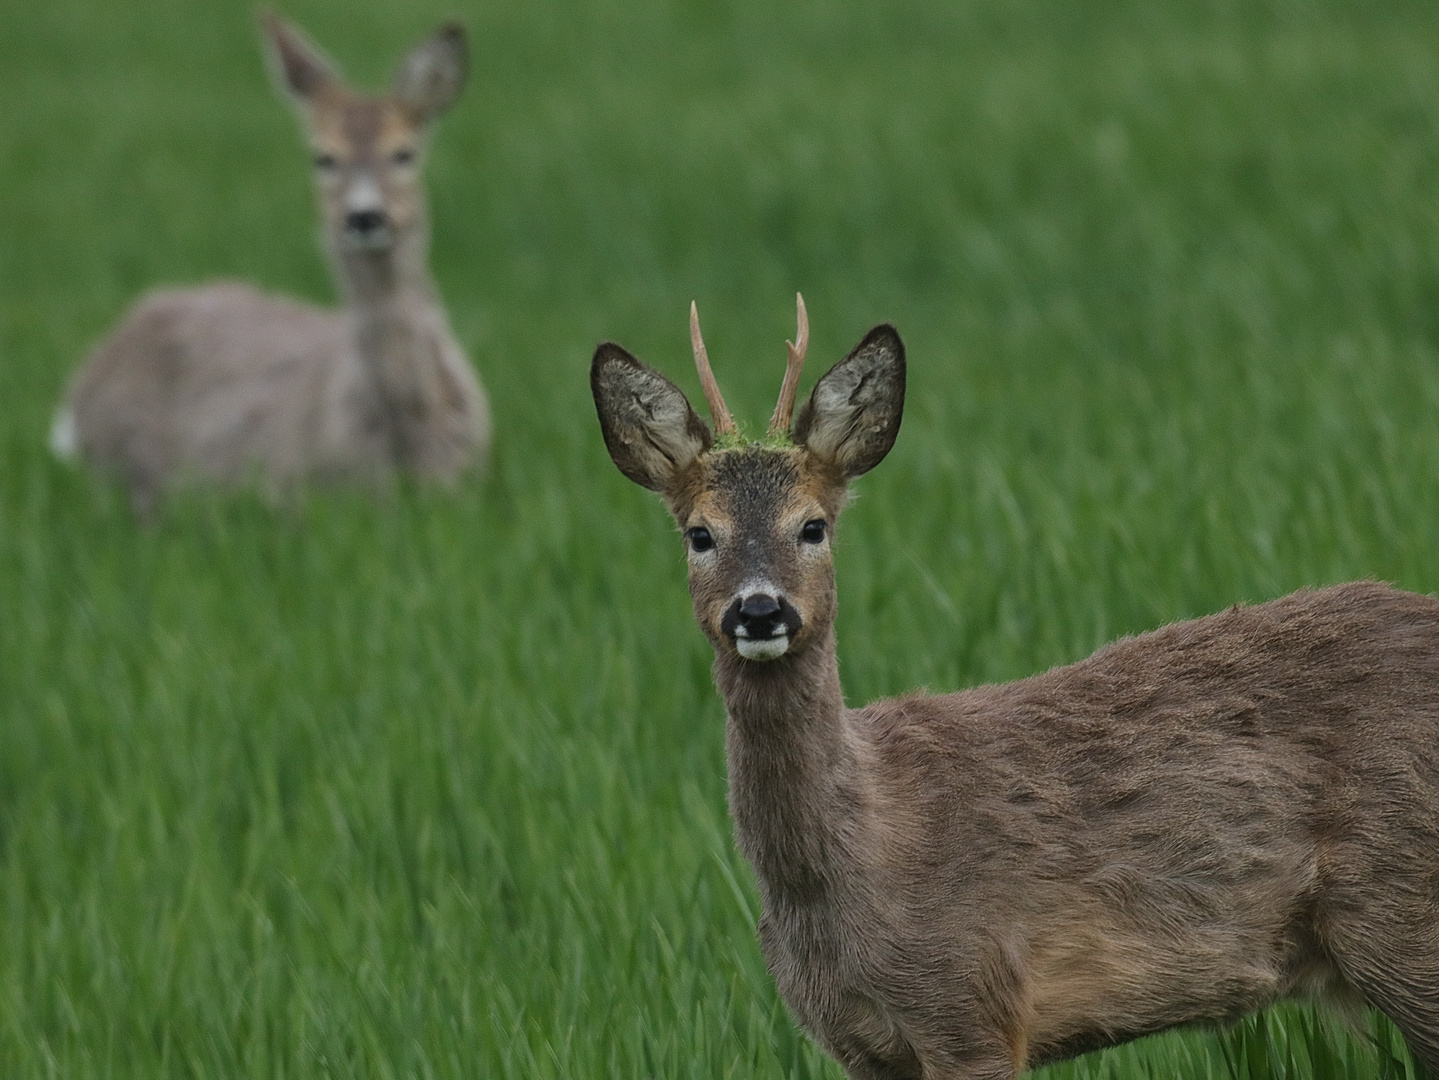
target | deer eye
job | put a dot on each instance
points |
(813, 531)
(403, 156)
(699, 538)
(325, 162)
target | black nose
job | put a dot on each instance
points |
(761, 616)
(364, 221)
(758, 614)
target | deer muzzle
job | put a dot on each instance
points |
(367, 222)
(761, 625)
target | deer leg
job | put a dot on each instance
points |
(1396, 968)
(1414, 1013)
(1377, 919)
(144, 493)
(875, 1069)
(889, 1057)
(1418, 1024)
(870, 1045)
(987, 1068)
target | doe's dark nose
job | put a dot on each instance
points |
(365, 221)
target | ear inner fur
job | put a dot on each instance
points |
(852, 416)
(430, 78)
(651, 431)
(300, 68)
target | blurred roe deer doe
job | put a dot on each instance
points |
(1187, 826)
(222, 382)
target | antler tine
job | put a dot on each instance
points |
(784, 411)
(723, 421)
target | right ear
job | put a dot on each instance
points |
(297, 66)
(431, 77)
(852, 418)
(650, 429)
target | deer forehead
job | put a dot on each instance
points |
(757, 490)
(361, 127)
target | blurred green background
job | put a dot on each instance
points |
(434, 787)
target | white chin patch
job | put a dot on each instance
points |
(768, 649)
(374, 240)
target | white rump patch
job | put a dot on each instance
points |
(766, 649)
(64, 440)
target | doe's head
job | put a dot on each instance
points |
(367, 149)
(757, 516)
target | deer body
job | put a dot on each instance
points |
(222, 382)
(1187, 826)
(1170, 831)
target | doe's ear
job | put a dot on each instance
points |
(852, 417)
(650, 429)
(296, 64)
(432, 74)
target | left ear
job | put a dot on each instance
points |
(852, 417)
(431, 76)
(652, 433)
(298, 67)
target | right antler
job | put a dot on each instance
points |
(723, 421)
(784, 410)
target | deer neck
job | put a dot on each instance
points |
(788, 763)
(385, 282)
(399, 329)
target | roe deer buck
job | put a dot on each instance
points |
(1187, 826)
(221, 381)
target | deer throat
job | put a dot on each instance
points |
(788, 763)
(400, 343)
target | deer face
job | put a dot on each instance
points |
(367, 158)
(367, 150)
(757, 519)
(757, 535)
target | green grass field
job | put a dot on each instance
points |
(435, 788)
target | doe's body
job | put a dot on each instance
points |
(221, 383)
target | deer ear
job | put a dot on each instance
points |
(431, 77)
(651, 431)
(298, 67)
(851, 419)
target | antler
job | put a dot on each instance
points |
(784, 411)
(723, 421)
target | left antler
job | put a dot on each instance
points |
(723, 422)
(784, 411)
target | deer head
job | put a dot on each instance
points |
(757, 516)
(366, 149)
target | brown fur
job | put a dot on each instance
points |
(1188, 826)
(222, 382)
